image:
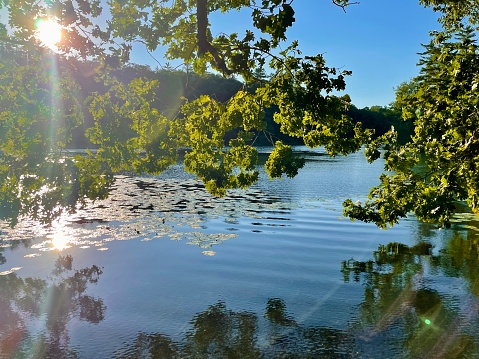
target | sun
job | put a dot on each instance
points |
(49, 32)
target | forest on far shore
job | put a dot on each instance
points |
(179, 85)
(175, 84)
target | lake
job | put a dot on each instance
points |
(163, 270)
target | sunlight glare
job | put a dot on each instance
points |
(60, 241)
(49, 32)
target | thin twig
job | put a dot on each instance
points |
(335, 2)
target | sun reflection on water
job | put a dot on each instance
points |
(60, 241)
(149, 209)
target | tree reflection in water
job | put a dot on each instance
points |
(219, 332)
(401, 304)
(417, 303)
(53, 303)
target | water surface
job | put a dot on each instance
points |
(161, 269)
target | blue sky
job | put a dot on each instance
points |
(378, 40)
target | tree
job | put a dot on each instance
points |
(39, 110)
(142, 138)
(439, 166)
(316, 116)
(139, 137)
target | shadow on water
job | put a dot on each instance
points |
(34, 312)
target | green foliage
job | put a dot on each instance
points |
(454, 13)
(282, 160)
(301, 87)
(203, 129)
(306, 109)
(439, 166)
(39, 109)
(134, 132)
(80, 34)
(130, 134)
(274, 23)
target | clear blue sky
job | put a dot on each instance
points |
(378, 40)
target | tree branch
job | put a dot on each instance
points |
(343, 6)
(204, 45)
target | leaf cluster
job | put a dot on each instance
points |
(454, 13)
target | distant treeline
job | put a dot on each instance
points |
(381, 118)
(175, 84)
(175, 88)
(178, 86)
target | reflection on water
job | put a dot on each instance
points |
(407, 311)
(149, 208)
(270, 272)
(34, 312)
(427, 302)
(219, 332)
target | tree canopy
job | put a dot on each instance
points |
(40, 109)
(438, 167)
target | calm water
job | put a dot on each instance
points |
(162, 270)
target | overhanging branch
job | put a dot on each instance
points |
(204, 45)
